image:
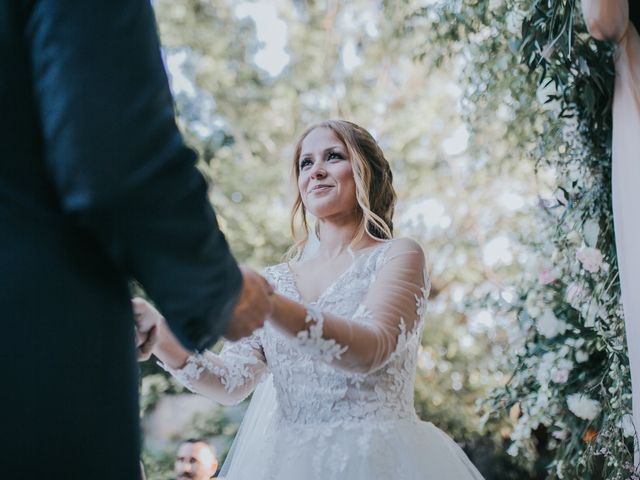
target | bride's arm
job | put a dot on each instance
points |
(227, 378)
(364, 342)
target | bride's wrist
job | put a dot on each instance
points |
(168, 349)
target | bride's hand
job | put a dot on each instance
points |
(147, 320)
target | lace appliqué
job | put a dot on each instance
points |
(191, 371)
(233, 367)
(310, 341)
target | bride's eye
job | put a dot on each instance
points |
(305, 163)
(335, 156)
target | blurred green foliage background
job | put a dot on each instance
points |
(436, 90)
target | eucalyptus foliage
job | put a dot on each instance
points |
(575, 353)
(569, 397)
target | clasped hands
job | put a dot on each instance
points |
(252, 309)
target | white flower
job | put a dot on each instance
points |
(532, 305)
(543, 400)
(544, 368)
(590, 258)
(549, 325)
(591, 230)
(626, 424)
(565, 364)
(575, 295)
(583, 407)
(581, 356)
(560, 434)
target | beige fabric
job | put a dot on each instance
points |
(609, 20)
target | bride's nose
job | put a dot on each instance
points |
(317, 171)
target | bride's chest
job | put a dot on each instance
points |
(297, 374)
(340, 296)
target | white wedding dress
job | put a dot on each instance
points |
(327, 409)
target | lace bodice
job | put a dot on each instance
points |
(312, 384)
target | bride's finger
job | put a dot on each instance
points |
(145, 349)
(140, 338)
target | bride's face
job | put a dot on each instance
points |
(325, 182)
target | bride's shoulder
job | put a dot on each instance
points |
(404, 245)
(404, 251)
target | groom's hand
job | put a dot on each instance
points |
(253, 307)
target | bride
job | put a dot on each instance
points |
(333, 368)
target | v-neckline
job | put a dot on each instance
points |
(331, 286)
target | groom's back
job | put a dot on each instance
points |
(66, 355)
(96, 186)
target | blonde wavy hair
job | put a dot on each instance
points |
(375, 194)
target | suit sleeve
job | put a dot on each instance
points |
(118, 161)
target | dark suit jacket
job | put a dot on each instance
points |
(96, 187)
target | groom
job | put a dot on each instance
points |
(96, 187)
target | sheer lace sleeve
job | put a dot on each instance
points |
(392, 308)
(607, 19)
(227, 378)
(231, 376)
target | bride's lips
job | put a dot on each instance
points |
(320, 188)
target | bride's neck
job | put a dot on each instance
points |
(336, 237)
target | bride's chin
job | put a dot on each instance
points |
(316, 210)
(327, 210)
(322, 213)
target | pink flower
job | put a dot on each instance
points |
(590, 258)
(546, 277)
(560, 376)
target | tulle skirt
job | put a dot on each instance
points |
(399, 449)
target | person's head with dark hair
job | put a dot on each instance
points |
(196, 460)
